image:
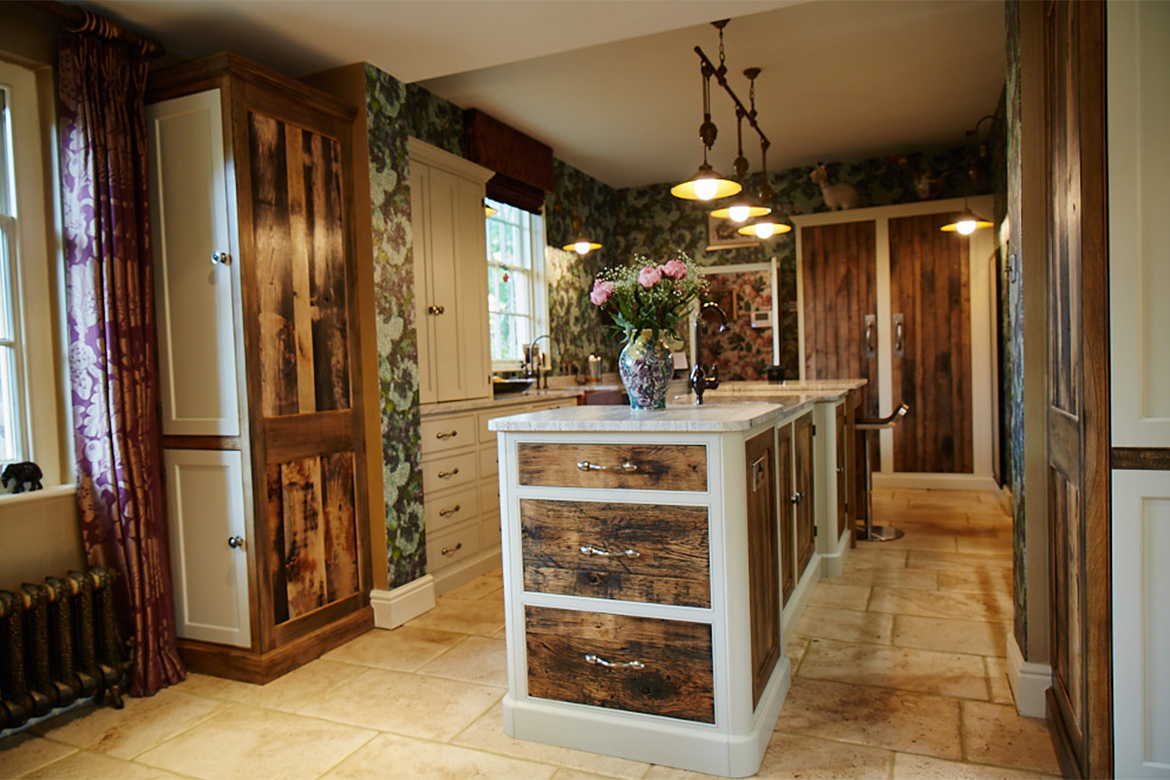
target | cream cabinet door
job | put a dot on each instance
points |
(209, 561)
(193, 271)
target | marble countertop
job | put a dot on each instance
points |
(502, 401)
(683, 418)
(793, 386)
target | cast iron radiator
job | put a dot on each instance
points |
(59, 643)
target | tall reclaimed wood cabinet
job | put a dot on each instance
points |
(259, 366)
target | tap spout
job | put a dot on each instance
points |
(701, 380)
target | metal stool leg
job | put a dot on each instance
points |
(874, 533)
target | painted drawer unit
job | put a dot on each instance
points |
(622, 662)
(631, 552)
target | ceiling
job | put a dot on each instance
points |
(613, 85)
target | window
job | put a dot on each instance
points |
(517, 296)
(31, 402)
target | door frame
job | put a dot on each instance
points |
(984, 370)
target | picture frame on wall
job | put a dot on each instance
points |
(724, 234)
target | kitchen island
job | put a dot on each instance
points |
(642, 581)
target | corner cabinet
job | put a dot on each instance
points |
(450, 275)
(251, 212)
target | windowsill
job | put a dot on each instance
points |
(34, 496)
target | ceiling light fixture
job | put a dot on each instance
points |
(706, 183)
(967, 221)
(582, 244)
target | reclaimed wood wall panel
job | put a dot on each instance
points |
(930, 287)
(273, 267)
(278, 585)
(340, 538)
(677, 679)
(839, 288)
(656, 467)
(672, 565)
(304, 535)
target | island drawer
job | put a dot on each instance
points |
(630, 552)
(446, 433)
(623, 466)
(637, 664)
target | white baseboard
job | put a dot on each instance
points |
(800, 597)
(833, 564)
(394, 607)
(908, 481)
(1029, 681)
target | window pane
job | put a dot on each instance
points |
(7, 258)
(508, 334)
(9, 431)
(5, 154)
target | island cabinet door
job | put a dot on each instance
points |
(763, 559)
(787, 512)
(802, 498)
(841, 467)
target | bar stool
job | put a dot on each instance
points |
(877, 533)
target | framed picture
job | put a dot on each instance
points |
(727, 300)
(724, 234)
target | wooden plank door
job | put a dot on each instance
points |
(763, 558)
(802, 459)
(306, 430)
(930, 329)
(839, 293)
(1080, 699)
(787, 518)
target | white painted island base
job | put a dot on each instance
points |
(641, 582)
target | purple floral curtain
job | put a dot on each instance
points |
(109, 290)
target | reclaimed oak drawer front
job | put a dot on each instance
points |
(629, 552)
(449, 472)
(449, 546)
(446, 433)
(658, 667)
(443, 512)
(627, 466)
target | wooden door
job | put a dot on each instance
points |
(763, 558)
(930, 329)
(307, 435)
(208, 542)
(841, 423)
(839, 301)
(802, 460)
(1080, 699)
(787, 517)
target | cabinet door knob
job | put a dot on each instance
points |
(236, 542)
(221, 258)
(434, 309)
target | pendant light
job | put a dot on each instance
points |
(582, 244)
(743, 206)
(967, 221)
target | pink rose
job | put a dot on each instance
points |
(601, 292)
(675, 269)
(648, 277)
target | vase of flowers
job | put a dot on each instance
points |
(647, 301)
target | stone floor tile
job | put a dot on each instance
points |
(566, 773)
(986, 580)
(907, 669)
(911, 767)
(795, 648)
(390, 755)
(287, 693)
(997, 680)
(243, 743)
(790, 756)
(476, 659)
(945, 604)
(996, 734)
(893, 577)
(408, 704)
(487, 733)
(482, 617)
(846, 625)
(140, 725)
(919, 541)
(22, 753)
(997, 544)
(827, 593)
(84, 765)
(878, 717)
(926, 559)
(479, 588)
(950, 636)
(402, 649)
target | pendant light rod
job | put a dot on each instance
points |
(720, 75)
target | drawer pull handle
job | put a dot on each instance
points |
(588, 549)
(451, 550)
(450, 435)
(433, 309)
(451, 511)
(592, 659)
(446, 474)
(585, 465)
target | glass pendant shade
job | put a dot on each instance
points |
(581, 245)
(706, 184)
(966, 223)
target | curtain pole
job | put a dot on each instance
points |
(81, 20)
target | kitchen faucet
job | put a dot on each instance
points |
(532, 360)
(699, 379)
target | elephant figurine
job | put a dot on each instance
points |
(26, 475)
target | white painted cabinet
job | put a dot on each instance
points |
(193, 291)
(205, 507)
(450, 274)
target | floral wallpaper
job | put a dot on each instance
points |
(394, 112)
(741, 352)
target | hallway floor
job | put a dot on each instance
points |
(899, 672)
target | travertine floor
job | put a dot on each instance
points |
(899, 672)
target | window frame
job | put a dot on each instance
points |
(532, 229)
(35, 276)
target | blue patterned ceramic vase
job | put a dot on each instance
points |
(645, 366)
